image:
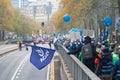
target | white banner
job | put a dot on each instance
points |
(88, 33)
(74, 35)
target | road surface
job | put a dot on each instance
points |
(16, 66)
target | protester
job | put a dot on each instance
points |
(105, 64)
(74, 49)
(20, 44)
(88, 59)
(98, 50)
(58, 43)
(115, 56)
(115, 75)
(67, 44)
(89, 53)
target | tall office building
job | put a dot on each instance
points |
(55, 3)
(24, 3)
(15, 3)
(36, 10)
(39, 10)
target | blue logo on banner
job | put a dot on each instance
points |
(41, 57)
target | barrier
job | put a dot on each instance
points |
(77, 69)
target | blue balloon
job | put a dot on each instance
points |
(81, 32)
(107, 21)
(66, 18)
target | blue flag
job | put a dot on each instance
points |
(41, 57)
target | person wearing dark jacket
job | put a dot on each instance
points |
(75, 51)
(89, 62)
(105, 64)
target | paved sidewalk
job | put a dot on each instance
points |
(52, 75)
(7, 47)
(2, 42)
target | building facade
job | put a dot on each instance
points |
(19, 3)
(39, 10)
(36, 11)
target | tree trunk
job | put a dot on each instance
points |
(119, 6)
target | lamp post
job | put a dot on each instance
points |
(66, 18)
(119, 6)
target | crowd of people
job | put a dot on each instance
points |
(102, 58)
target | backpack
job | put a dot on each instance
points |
(87, 52)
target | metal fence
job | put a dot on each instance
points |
(78, 70)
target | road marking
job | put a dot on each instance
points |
(13, 77)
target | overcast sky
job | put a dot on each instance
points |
(31, 0)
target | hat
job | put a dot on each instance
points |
(87, 39)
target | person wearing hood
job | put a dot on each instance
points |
(91, 53)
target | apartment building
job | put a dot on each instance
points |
(39, 10)
(19, 3)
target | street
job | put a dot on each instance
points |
(16, 66)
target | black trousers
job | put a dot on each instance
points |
(89, 63)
